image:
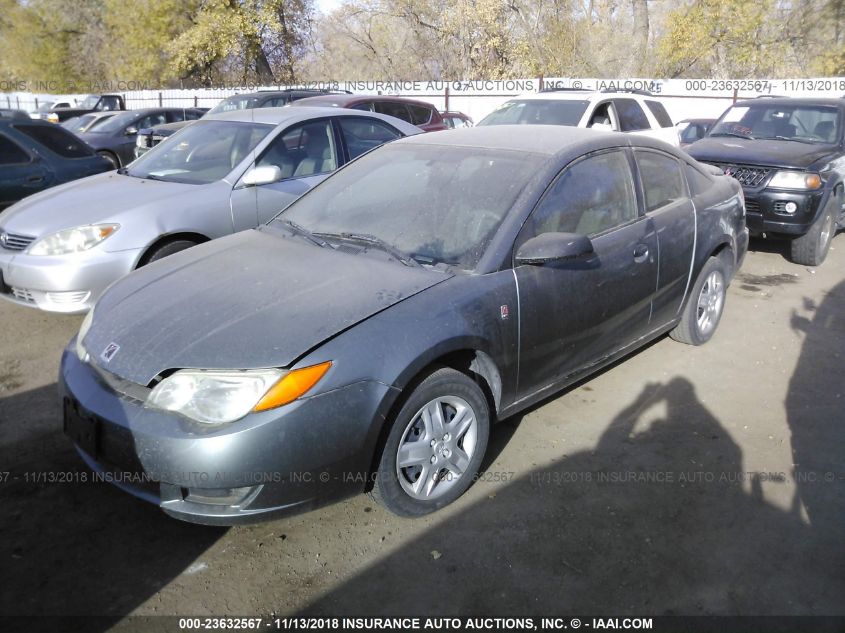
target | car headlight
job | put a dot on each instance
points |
(795, 180)
(83, 330)
(219, 396)
(73, 240)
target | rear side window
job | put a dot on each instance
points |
(362, 135)
(698, 182)
(660, 113)
(663, 182)
(631, 115)
(57, 140)
(393, 109)
(10, 153)
(420, 115)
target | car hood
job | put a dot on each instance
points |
(786, 154)
(256, 299)
(99, 198)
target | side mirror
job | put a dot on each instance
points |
(264, 175)
(131, 131)
(554, 247)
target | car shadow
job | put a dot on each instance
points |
(659, 518)
(70, 546)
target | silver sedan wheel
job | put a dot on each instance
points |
(710, 302)
(436, 447)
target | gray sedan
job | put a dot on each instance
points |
(370, 334)
(60, 249)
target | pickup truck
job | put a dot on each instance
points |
(91, 103)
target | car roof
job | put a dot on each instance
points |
(288, 115)
(583, 95)
(793, 101)
(24, 121)
(346, 99)
(535, 139)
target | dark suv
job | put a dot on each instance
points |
(152, 136)
(789, 156)
(424, 115)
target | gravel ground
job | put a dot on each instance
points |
(680, 481)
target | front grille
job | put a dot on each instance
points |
(22, 294)
(747, 175)
(752, 205)
(15, 241)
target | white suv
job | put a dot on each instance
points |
(637, 112)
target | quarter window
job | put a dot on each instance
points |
(660, 113)
(663, 182)
(631, 115)
(420, 115)
(10, 153)
(393, 109)
(592, 196)
(698, 182)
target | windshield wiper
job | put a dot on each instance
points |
(745, 136)
(789, 138)
(379, 243)
(308, 235)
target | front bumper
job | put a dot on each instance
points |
(287, 460)
(765, 213)
(63, 283)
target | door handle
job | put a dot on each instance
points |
(35, 178)
(640, 253)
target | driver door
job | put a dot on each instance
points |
(574, 315)
(305, 153)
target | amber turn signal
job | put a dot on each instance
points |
(292, 385)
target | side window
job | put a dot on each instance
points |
(631, 115)
(57, 139)
(192, 115)
(362, 135)
(698, 182)
(366, 107)
(593, 195)
(663, 182)
(10, 153)
(420, 115)
(150, 121)
(393, 109)
(109, 103)
(303, 150)
(276, 102)
(601, 116)
(660, 113)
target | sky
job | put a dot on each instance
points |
(327, 5)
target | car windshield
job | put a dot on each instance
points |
(537, 111)
(802, 123)
(234, 103)
(433, 203)
(200, 153)
(115, 123)
(78, 124)
(89, 102)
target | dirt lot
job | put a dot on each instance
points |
(681, 481)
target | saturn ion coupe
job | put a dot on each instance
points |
(368, 336)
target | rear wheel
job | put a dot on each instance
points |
(168, 248)
(435, 445)
(704, 307)
(811, 248)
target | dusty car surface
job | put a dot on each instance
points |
(372, 332)
(223, 174)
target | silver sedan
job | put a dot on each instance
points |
(60, 249)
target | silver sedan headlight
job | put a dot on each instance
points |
(214, 396)
(74, 240)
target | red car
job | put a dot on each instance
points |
(454, 119)
(424, 115)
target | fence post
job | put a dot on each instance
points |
(159, 99)
(446, 98)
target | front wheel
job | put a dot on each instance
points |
(435, 445)
(704, 307)
(811, 248)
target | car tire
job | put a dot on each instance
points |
(446, 461)
(163, 250)
(812, 248)
(705, 305)
(111, 158)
